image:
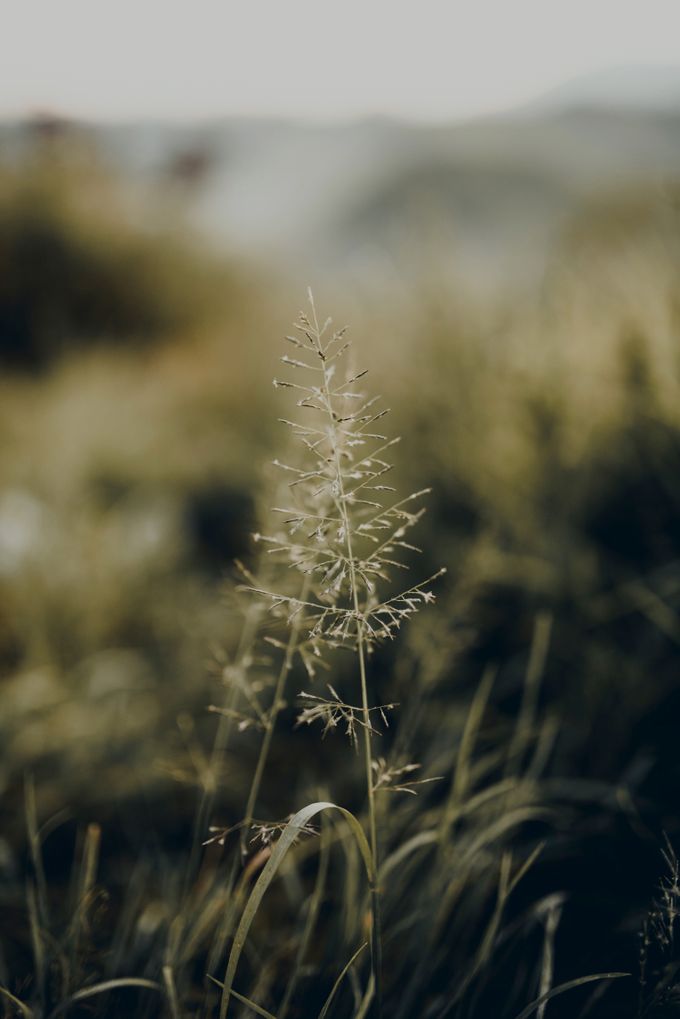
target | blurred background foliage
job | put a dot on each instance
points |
(541, 404)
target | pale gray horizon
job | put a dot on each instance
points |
(312, 59)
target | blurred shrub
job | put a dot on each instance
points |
(76, 266)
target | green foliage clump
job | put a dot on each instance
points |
(77, 267)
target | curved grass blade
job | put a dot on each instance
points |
(310, 923)
(570, 984)
(423, 838)
(336, 986)
(288, 837)
(107, 985)
(21, 1005)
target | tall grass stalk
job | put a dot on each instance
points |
(352, 541)
(376, 941)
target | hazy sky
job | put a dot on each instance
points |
(424, 58)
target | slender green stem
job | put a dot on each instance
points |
(272, 716)
(376, 940)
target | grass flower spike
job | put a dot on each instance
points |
(345, 529)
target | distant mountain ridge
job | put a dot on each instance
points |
(625, 87)
(341, 197)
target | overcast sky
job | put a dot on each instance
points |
(318, 58)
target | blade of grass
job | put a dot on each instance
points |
(107, 985)
(34, 842)
(568, 986)
(551, 920)
(88, 873)
(367, 1000)
(538, 655)
(36, 939)
(21, 1005)
(461, 775)
(257, 1009)
(336, 986)
(312, 915)
(288, 837)
(487, 943)
(171, 992)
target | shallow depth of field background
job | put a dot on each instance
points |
(513, 285)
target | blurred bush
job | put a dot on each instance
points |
(79, 264)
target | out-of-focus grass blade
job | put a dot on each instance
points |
(423, 838)
(22, 1006)
(336, 986)
(310, 923)
(34, 842)
(245, 1001)
(570, 984)
(107, 985)
(288, 837)
(367, 1000)
(251, 1004)
(171, 992)
(86, 881)
(461, 774)
(36, 939)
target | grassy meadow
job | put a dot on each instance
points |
(504, 753)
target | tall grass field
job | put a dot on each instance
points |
(355, 695)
